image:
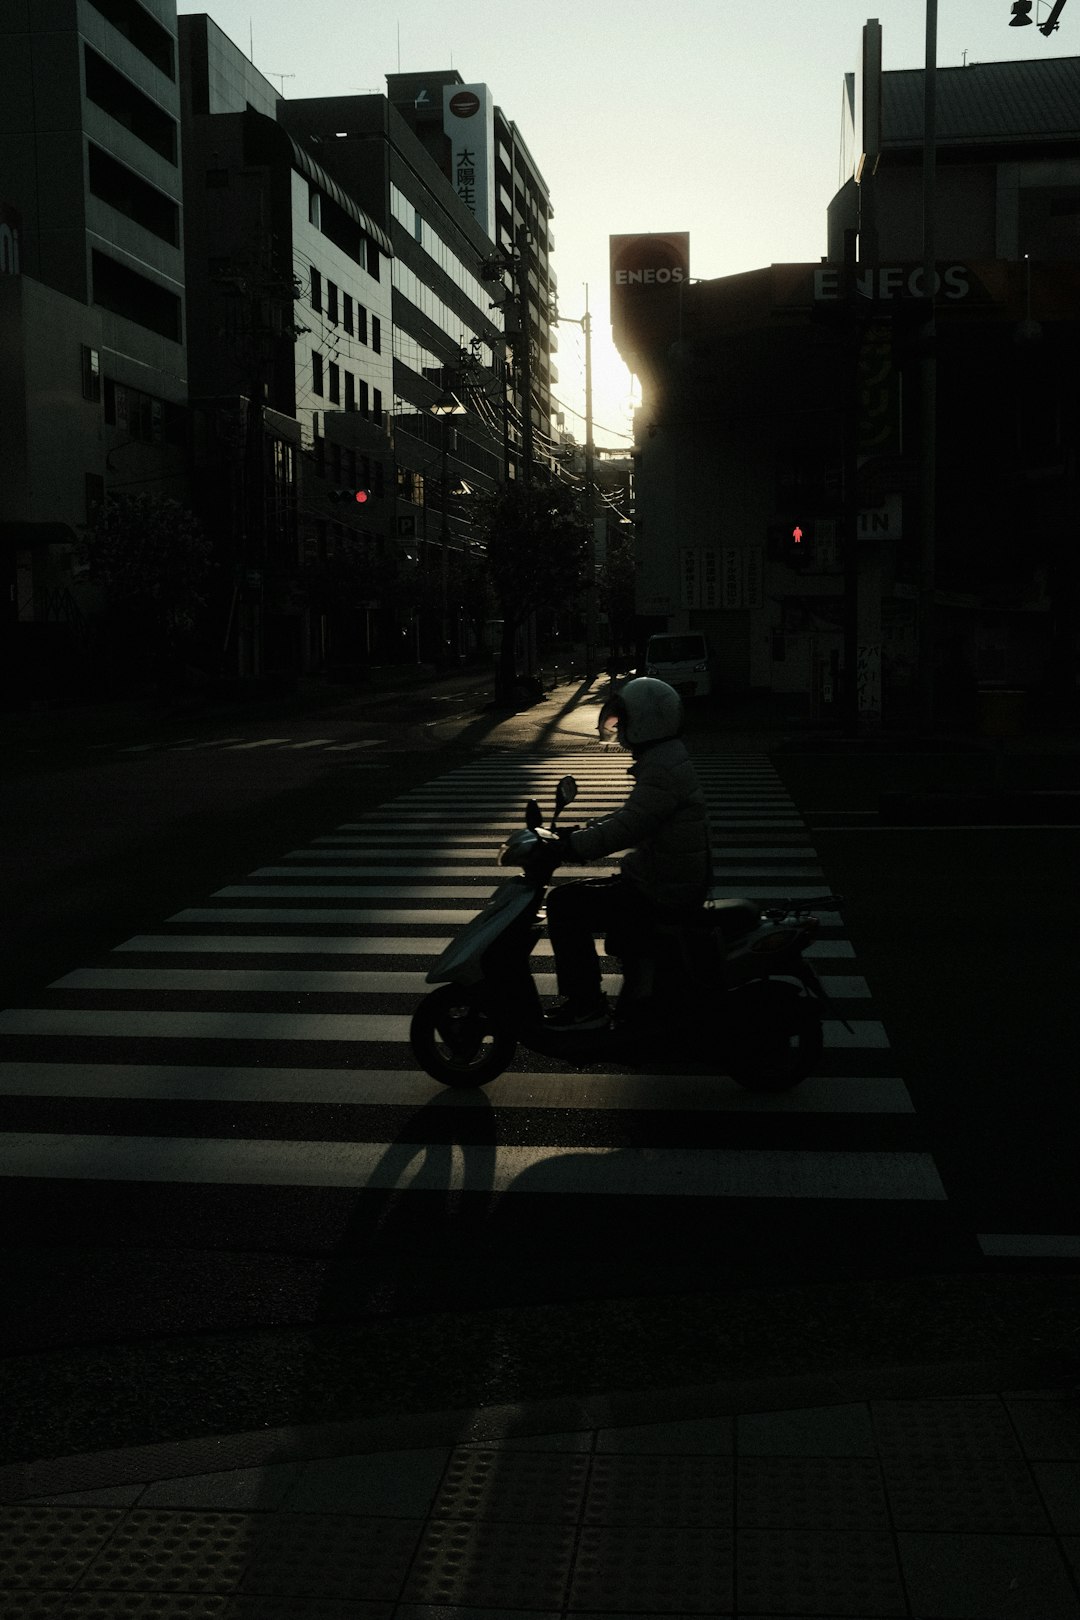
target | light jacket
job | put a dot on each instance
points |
(664, 825)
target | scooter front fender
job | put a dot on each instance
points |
(462, 958)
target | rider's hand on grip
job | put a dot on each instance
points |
(567, 853)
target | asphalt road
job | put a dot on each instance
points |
(228, 1308)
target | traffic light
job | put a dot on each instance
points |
(791, 540)
(1021, 14)
(360, 496)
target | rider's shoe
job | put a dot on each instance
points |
(575, 1015)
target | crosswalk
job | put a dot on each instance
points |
(258, 1038)
(239, 745)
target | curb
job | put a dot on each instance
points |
(495, 1424)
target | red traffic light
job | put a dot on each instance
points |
(362, 495)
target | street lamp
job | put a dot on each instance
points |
(446, 406)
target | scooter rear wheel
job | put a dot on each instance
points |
(454, 1040)
(780, 1041)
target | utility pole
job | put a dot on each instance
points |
(591, 629)
(521, 278)
(928, 380)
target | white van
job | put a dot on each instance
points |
(683, 660)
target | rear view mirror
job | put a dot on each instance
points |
(533, 817)
(565, 793)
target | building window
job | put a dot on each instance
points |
(372, 259)
(346, 312)
(316, 289)
(331, 302)
(365, 407)
(135, 297)
(377, 413)
(376, 334)
(314, 212)
(146, 34)
(335, 384)
(316, 372)
(361, 323)
(350, 391)
(91, 373)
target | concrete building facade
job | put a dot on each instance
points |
(92, 313)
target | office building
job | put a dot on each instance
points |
(483, 156)
(92, 316)
(447, 347)
(291, 370)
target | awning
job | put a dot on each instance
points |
(271, 140)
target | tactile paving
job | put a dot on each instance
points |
(635, 1568)
(490, 1565)
(810, 1493)
(938, 1494)
(162, 1551)
(852, 1572)
(32, 1605)
(332, 1556)
(143, 1606)
(50, 1547)
(971, 1428)
(533, 1487)
(266, 1608)
(662, 1491)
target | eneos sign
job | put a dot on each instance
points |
(648, 273)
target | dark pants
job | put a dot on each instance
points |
(578, 911)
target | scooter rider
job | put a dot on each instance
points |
(664, 826)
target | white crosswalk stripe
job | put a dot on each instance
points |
(293, 987)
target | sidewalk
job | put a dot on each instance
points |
(950, 1492)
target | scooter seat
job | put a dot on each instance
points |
(732, 919)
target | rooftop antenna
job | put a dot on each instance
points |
(251, 40)
(281, 76)
(399, 47)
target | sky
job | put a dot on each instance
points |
(717, 117)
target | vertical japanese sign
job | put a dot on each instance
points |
(469, 121)
(732, 583)
(710, 578)
(690, 577)
(724, 577)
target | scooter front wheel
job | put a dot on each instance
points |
(455, 1041)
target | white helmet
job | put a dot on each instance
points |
(644, 711)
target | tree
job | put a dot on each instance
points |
(153, 563)
(535, 540)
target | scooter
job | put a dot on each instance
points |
(727, 988)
